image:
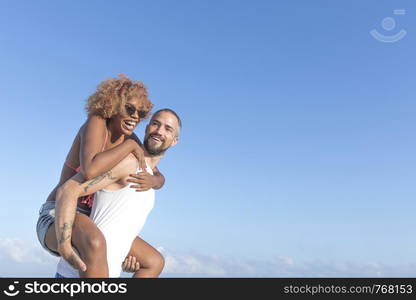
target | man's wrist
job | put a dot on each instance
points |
(64, 251)
(65, 244)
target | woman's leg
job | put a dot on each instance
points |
(89, 242)
(150, 260)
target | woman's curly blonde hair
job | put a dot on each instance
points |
(112, 95)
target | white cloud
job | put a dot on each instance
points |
(200, 265)
(20, 258)
(19, 252)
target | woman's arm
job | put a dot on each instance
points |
(65, 210)
(94, 162)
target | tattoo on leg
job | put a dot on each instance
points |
(65, 235)
(98, 179)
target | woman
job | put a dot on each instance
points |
(114, 110)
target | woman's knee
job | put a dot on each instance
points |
(90, 244)
(156, 262)
(94, 250)
(96, 243)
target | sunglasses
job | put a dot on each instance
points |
(131, 110)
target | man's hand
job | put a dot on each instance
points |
(68, 253)
(143, 181)
(130, 264)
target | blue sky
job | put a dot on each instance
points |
(297, 151)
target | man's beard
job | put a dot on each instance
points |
(153, 151)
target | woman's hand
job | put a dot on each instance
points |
(143, 181)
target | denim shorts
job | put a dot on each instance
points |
(46, 219)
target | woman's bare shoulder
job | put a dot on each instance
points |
(94, 124)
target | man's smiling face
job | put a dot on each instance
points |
(161, 133)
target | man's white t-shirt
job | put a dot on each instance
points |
(120, 215)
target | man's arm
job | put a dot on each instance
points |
(66, 202)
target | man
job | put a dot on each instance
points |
(117, 211)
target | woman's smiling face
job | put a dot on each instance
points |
(127, 121)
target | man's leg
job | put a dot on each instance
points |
(89, 242)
